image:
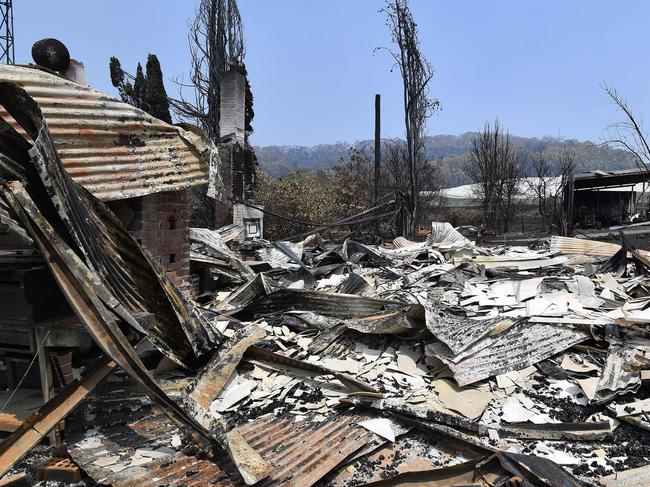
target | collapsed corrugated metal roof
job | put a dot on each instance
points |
(328, 304)
(68, 223)
(114, 150)
(130, 282)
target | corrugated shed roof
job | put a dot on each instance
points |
(114, 150)
(602, 179)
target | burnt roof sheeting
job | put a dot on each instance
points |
(114, 150)
(302, 452)
(444, 234)
(621, 371)
(124, 423)
(522, 345)
(208, 246)
(306, 451)
(455, 332)
(328, 304)
(581, 246)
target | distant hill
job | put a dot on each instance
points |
(278, 161)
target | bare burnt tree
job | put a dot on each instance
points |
(551, 186)
(495, 168)
(541, 185)
(416, 74)
(564, 195)
(511, 175)
(216, 43)
(395, 177)
(628, 134)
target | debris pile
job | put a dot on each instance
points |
(437, 362)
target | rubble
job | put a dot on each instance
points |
(315, 362)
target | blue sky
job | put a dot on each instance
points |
(537, 65)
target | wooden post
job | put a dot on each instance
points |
(567, 210)
(45, 370)
(377, 150)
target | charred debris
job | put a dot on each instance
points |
(320, 363)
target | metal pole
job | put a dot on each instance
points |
(377, 149)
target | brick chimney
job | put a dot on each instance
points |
(233, 105)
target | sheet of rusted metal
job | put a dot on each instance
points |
(302, 452)
(37, 426)
(114, 150)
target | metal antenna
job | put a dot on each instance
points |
(6, 32)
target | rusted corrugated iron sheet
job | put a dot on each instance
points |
(111, 148)
(305, 451)
(302, 452)
(122, 424)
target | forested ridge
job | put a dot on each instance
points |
(278, 161)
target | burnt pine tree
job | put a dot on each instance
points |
(146, 92)
(155, 96)
(120, 81)
(139, 89)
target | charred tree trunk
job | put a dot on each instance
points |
(416, 73)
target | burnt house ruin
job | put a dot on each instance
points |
(140, 167)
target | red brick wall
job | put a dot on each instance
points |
(162, 225)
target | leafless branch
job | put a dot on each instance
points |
(495, 168)
(629, 134)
